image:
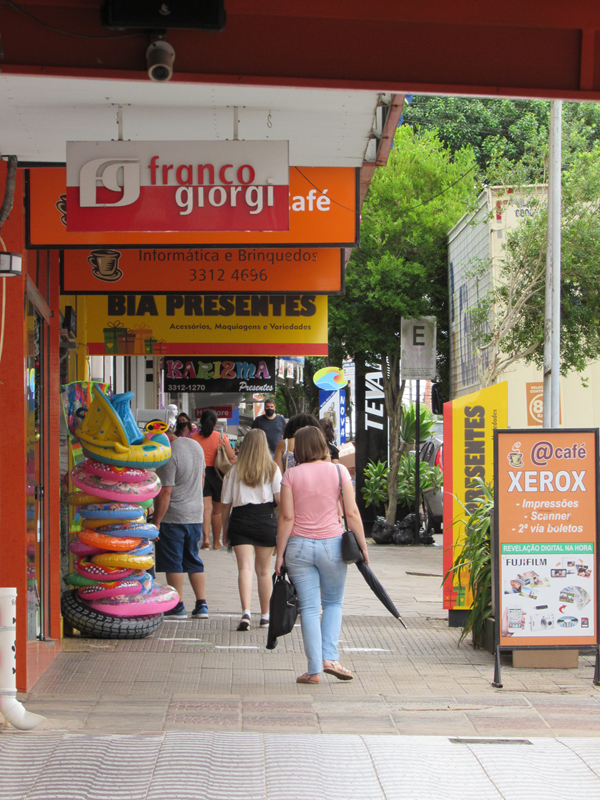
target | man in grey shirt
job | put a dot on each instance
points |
(178, 511)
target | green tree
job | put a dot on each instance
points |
(300, 398)
(400, 268)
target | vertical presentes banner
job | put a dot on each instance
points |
(469, 425)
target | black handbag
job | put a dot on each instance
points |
(351, 552)
(283, 608)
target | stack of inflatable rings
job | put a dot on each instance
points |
(113, 594)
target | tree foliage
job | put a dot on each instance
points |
(400, 268)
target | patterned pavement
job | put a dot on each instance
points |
(251, 766)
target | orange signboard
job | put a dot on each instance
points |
(197, 269)
(546, 538)
(323, 207)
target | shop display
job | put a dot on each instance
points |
(119, 492)
(114, 547)
(110, 434)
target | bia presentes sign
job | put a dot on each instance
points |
(177, 186)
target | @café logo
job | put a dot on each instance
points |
(330, 379)
(542, 452)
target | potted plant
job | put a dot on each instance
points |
(475, 558)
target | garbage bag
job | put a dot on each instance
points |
(382, 532)
(407, 523)
(403, 536)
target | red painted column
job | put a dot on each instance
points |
(53, 483)
(13, 521)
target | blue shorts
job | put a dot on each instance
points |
(178, 546)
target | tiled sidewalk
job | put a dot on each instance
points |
(213, 766)
(201, 675)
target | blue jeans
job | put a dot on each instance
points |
(319, 575)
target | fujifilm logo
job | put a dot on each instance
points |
(121, 176)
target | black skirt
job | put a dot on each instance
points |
(255, 523)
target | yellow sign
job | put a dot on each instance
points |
(469, 425)
(207, 324)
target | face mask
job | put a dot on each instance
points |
(181, 423)
(269, 412)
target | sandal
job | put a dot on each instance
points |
(335, 668)
(244, 623)
(205, 546)
(306, 678)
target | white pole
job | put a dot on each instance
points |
(552, 304)
(555, 188)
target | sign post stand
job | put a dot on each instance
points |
(418, 339)
(545, 541)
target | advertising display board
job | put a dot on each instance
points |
(419, 353)
(469, 425)
(177, 186)
(332, 406)
(546, 536)
(228, 374)
(103, 270)
(323, 207)
(208, 325)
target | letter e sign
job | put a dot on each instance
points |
(418, 349)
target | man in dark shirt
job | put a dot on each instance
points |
(272, 424)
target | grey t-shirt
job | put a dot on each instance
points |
(184, 472)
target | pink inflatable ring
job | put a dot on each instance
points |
(159, 600)
(117, 474)
(103, 591)
(118, 492)
(99, 573)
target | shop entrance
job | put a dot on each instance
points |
(36, 371)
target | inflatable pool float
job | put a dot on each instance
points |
(159, 600)
(81, 498)
(75, 579)
(94, 524)
(95, 624)
(118, 492)
(97, 572)
(122, 561)
(79, 549)
(116, 589)
(145, 529)
(104, 542)
(112, 473)
(145, 548)
(110, 434)
(111, 511)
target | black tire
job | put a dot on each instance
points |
(96, 625)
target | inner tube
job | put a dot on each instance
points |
(94, 524)
(78, 548)
(101, 591)
(111, 511)
(159, 600)
(98, 572)
(122, 561)
(81, 498)
(111, 473)
(104, 542)
(145, 529)
(118, 492)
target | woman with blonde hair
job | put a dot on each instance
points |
(310, 538)
(250, 493)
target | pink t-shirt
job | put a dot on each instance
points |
(316, 491)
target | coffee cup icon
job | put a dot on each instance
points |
(105, 264)
(61, 207)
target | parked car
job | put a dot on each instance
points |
(432, 453)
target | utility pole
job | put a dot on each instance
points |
(553, 274)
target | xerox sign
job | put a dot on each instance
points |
(177, 186)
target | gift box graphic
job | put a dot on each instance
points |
(141, 334)
(149, 346)
(160, 346)
(127, 344)
(114, 337)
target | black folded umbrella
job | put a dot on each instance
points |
(378, 590)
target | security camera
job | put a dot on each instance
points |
(160, 57)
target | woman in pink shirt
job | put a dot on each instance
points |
(310, 536)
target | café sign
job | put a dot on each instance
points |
(178, 186)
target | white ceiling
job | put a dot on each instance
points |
(325, 127)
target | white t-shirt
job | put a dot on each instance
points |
(239, 494)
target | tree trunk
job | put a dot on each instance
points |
(9, 190)
(393, 390)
